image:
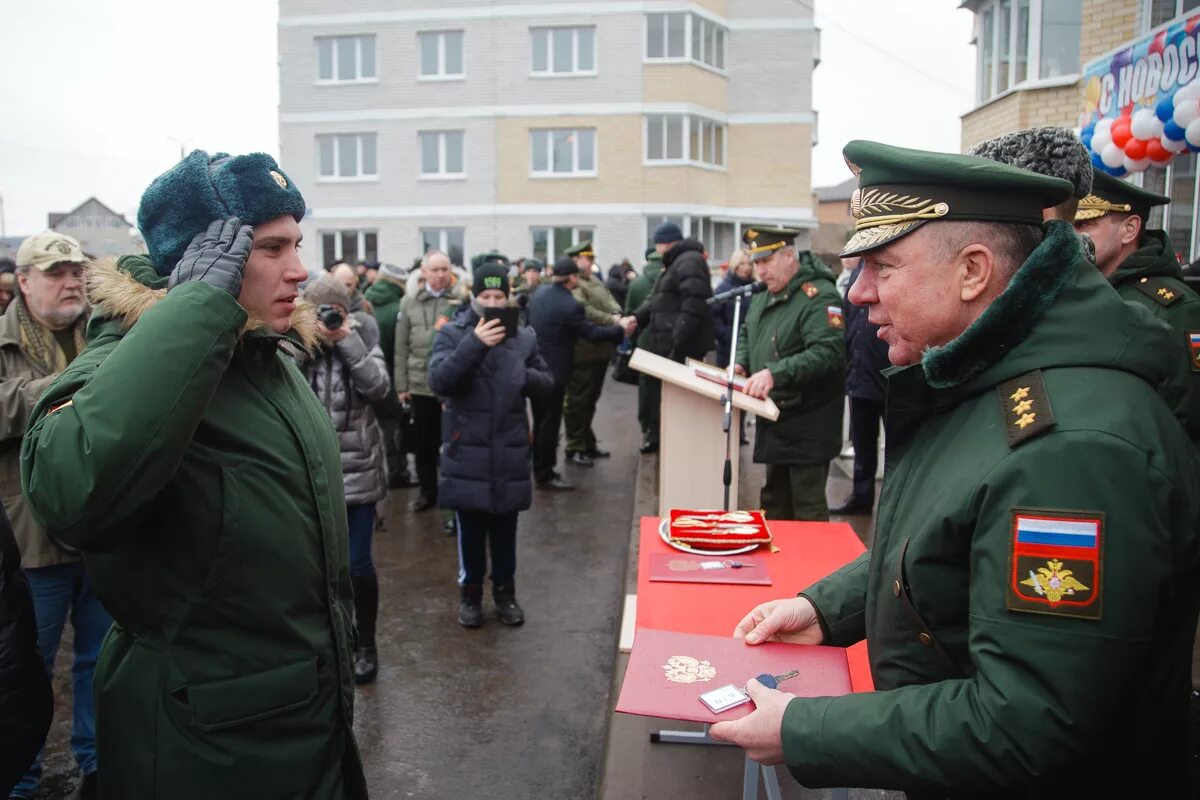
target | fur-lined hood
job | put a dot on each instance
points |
(126, 288)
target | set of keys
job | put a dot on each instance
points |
(773, 681)
(731, 696)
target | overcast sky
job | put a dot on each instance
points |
(96, 94)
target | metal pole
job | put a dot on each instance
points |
(727, 422)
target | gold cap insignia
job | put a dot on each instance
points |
(1093, 206)
(279, 179)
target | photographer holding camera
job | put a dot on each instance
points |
(484, 366)
(348, 374)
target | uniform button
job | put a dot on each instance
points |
(896, 588)
(926, 639)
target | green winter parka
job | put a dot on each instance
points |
(183, 453)
(1031, 598)
(799, 335)
(1152, 278)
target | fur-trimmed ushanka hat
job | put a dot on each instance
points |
(201, 188)
(1054, 152)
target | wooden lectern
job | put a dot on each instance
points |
(691, 444)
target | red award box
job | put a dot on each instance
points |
(718, 530)
(668, 671)
(683, 568)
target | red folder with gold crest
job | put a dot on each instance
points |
(668, 671)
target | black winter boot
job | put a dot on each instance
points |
(470, 609)
(507, 609)
(366, 610)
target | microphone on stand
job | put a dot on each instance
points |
(741, 291)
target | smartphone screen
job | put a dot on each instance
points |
(507, 315)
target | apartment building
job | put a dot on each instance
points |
(1034, 62)
(531, 126)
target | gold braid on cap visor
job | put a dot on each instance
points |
(767, 247)
(870, 208)
(1092, 207)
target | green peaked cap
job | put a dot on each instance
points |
(1111, 194)
(581, 249)
(763, 240)
(899, 190)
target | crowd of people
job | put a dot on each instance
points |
(197, 441)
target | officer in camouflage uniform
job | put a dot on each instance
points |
(793, 349)
(1141, 265)
(1031, 597)
(591, 361)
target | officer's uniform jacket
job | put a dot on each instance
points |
(1151, 277)
(1031, 597)
(799, 335)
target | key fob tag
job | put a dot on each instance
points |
(725, 698)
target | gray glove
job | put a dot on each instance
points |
(217, 256)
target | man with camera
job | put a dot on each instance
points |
(348, 374)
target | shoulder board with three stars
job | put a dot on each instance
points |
(1025, 407)
(1159, 290)
(809, 288)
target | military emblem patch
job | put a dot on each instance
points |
(1194, 349)
(834, 315)
(1056, 563)
(810, 289)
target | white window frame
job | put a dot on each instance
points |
(359, 176)
(1033, 76)
(443, 239)
(1146, 6)
(358, 60)
(442, 174)
(691, 18)
(575, 71)
(441, 74)
(576, 237)
(575, 172)
(686, 127)
(338, 233)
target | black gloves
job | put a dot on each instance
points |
(217, 256)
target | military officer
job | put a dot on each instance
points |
(1140, 263)
(591, 361)
(793, 349)
(1030, 610)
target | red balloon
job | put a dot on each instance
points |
(1120, 131)
(1136, 148)
(1156, 44)
(1157, 153)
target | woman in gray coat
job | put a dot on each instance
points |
(348, 374)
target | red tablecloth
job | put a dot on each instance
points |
(808, 551)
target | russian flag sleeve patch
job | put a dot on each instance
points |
(1056, 564)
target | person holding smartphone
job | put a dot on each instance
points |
(484, 367)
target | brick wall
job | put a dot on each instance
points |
(1107, 24)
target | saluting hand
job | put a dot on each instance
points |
(793, 619)
(491, 333)
(760, 732)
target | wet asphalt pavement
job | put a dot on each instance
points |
(504, 712)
